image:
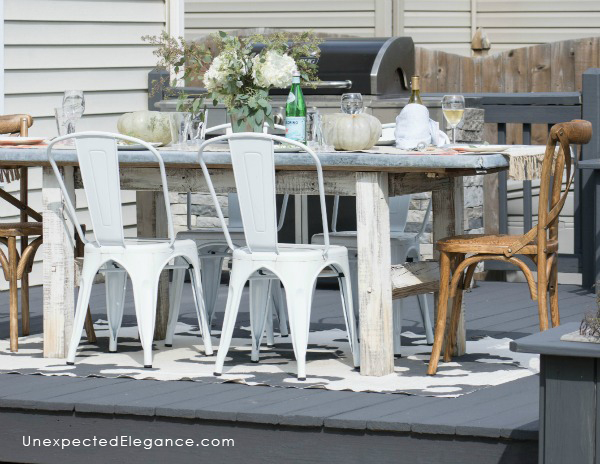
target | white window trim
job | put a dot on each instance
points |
(175, 17)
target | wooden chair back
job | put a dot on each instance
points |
(13, 123)
(565, 135)
(552, 197)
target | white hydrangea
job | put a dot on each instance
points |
(216, 73)
(275, 71)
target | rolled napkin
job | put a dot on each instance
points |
(414, 128)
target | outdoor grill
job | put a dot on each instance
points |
(371, 66)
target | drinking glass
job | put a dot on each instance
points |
(73, 106)
(453, 107)
(179, 123)
(313, 128)
(352, 103)
(196, 131)
(62, 125)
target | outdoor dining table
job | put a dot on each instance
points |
(371, 177)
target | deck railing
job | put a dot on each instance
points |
(525, 110)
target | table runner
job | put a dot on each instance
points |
(525, 161)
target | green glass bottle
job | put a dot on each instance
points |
(295, 112)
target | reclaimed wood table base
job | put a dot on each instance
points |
(374, 273)
(59, 265)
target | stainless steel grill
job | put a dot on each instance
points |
(379, 66)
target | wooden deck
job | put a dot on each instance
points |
(494, 425)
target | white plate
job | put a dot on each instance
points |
(279, 149)
(137, 146)
(224, 147)
(479, 148)
(21, 140)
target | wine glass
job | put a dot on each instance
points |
(352, 103)
(453, 107)
(73, 107)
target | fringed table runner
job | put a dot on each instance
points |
(525, 161)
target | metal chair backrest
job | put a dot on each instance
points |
(253, 162)
(233, 208)
(552, 197)
(398, 213)
(233, 205)
(98, 158)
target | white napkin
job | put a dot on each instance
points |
(413, 127)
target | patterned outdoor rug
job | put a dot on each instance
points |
(488, 362)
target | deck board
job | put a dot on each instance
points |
(508, 411)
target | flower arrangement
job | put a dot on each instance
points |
(246, 68)
(238, 72)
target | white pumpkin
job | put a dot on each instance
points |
(150, 126)
(351, 131)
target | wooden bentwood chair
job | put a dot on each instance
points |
(540, 244)
(17, 267)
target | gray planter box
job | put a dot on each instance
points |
(569, 396)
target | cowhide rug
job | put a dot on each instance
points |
(488, 362)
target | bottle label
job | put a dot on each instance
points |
(291, 98)
(295, 128)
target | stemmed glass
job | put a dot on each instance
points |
(73, 107)
(352, 103)
(453, 107)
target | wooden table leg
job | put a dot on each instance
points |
(448, 220)
(152, 222)
(374, 274)
(58, 266)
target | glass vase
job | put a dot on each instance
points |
(244, 124)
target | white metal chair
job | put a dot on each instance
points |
(212, 249)
(111, 253)
(403, 246)
(263, 260)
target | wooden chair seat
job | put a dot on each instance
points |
(494, 244)
(20, 229)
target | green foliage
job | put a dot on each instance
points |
(187, 61)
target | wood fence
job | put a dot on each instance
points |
(549, 67)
